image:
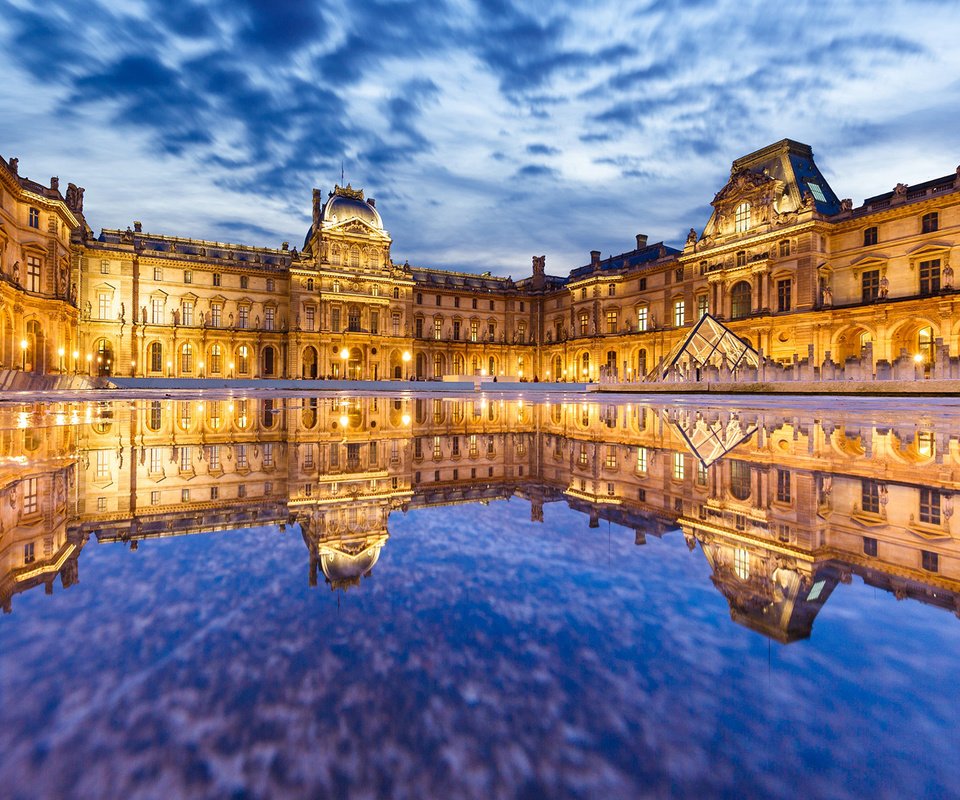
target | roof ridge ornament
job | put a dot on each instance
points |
(347, 191)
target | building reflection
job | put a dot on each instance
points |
(782, 507)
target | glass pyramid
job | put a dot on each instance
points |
(708, 343)
(709, 440)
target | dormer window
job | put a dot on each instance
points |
(742, 218)
(817, 192)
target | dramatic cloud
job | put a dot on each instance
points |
(478, 125)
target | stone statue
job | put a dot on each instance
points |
(75, 197)
(176, 316)
(692, 237)
(230, 320)
(317, 209)
(73, 292)
(947, 277)
(143, 314)
(827, 295)
(900, 191)
(846, 204)
(123, 310)
(87, 310)
(16, 272)
(884, 287)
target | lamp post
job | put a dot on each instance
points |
(61, 352)
(344, 355)
(169, 369)
(89, 364)
(76, 362)
(406, 363)
(200, 365)
(23, 354)
(133, 368)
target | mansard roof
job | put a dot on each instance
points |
(179, 248)
(440, 278)
(632, 258)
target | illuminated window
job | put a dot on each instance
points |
(643, 314)
(437, 328)
(186, 312)
(243, 316)
(611, 322)
(741, 563)
(679, 313)
(926, 344)
(103, 305)
(610, 462)
(243, 359)
(216, 359)
(641, 459)
(679, 469)
(156, 311)
(703, 306)
(742, 218)
(186, 358)
(31, 502)
(926, 446)
(474, 330)
(582, 458)
(584, 323)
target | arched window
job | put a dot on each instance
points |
(186, 358)
(642, 363)
(458, 364)
(585, 366)
(335, 255)
(155, 416)
(437, 365)
(740, 300)
(492, 369)
(216, 359)
(269, 359)
(243, 359)
(475, 365)
(156, 357)
(742, 218)
(309, 284)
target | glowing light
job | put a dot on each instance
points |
(344, 354)
(344, 421)
(406, 356)
(23, 344)
(61, 352)
(918, 358)
(405, 419)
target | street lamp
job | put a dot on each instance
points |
(89, 364)
(133, 368)
(344, 355)
(61, 352)
(232, 365)
(76, 361)
(200, 365)
(169, 369)
(406, 363)
(23, 349)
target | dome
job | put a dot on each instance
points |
(346, 204)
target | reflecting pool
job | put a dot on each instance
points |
(428, 597)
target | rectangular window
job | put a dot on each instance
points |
(438, 300)
(269, 318)
(584, 324)
(784, 295)
(783, 486)
(929, 561)
(784, 248)
(930, 222)
(703, 306)
(188, 276)
(244, 282)
(870, 496)
(870, 285)
(104, 267)
(642, 284)
(33, 275)
(491, 305)
(679, 313)
(641, 459)
(456, 302)
(437, 329)
(742, 258)
(186, 309)
(869, 236)
(271, 284)
(474, 330)
(610, 462)
(611, 290)
(102, 466)
(213, 457)
(473, 303)
(456, 330)
(186, 458)
(643, 314)
(34, 217)
(701, 474)
(184, 495)
(492, 330)
(242, 462)
(395, 324)
(418, 327)
(156, 311)
(158, 273)
(103, 305)
(29, 553)
(930, 276)
(30, 496)
(678, 467)
(243, 316)
(678, 274)
(216, 315)
(156, 460)
(217, 279)
(930, 506)
(611, 321)
(154, 498)
(419, 298)
(375, 323)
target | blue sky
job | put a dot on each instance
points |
(488, 131)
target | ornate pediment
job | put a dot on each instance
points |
(745, 184)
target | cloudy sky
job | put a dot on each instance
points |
(488, 130)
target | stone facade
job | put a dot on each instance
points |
(782, 261)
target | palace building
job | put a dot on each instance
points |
(790, 268)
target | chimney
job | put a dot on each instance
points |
(55, 184)
(594, 258)
(138, 226)
(15, 166)
(641, 241)
(372, 202)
